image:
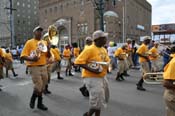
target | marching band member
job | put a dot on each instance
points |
(67, 56)
(2, 61)
(35, 53)
(129, 52)
(57, 60)
(169, 84)
(144, 60)
(120, 53)
(154, 56)
(94, 73)
(9, 63)
(76, 52)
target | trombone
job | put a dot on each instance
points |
(153, 78)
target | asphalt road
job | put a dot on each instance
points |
(66, 99)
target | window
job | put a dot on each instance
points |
(55, 8)
(18, 3)
(23, 5)
(45, 11)
(50, 10)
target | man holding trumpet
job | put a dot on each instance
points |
(35, 53)
(144, 60)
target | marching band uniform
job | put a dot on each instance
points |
(57, 59)
(37, 67)
(143, 59)
(154, 56)
(76, 54)
(9, 63)
(94, 78)
(169, 84)
(67, 56)
(120, 53)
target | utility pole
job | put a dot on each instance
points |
(11, 23)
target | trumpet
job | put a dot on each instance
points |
(153, 78)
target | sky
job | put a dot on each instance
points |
(163, 11)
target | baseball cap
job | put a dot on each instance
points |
(97, 34)
(146, 38)
(128, 39)
(88, 38)
(37, 28)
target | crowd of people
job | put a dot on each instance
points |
(42, 57)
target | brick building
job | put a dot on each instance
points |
(76, 19)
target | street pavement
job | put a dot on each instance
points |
(66, 99)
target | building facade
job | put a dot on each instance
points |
(25, 19)
(76, 19)
(5, 25)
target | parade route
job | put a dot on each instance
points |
(66, 99)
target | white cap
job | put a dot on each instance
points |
(146, 38)
(97, 34)
(37, 28)
(88, 38)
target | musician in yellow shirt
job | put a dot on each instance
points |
(120, 53)
(143, 60)
(2, 61)
(67, 55)
(94, 73)
(154, 56)
(57, 59)
(35, 53)
(9, 63)
(169, 84)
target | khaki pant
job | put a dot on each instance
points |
(39, 76)
(98, 92)
(145, 67)
(169, 97)
(122, 66)
(129, 60)
(155, 65)
(56, 67)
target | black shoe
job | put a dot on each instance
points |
(42, 107)
(85, 114)
(47, 92)
(122, 78)
(70, 74)
(118, 79)
(15, 75)
(141, 88)
(0, 89)
(32, 100)
(61, 78)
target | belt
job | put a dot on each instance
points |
(37, 66)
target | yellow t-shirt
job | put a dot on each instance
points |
(153, 51)
(143, 49)
(8, 56)
(56, 53)
(30, 46)
(120, 53)
(76, 52)
(169, 70)
(1, 55)
(66, 53)
(90, 54)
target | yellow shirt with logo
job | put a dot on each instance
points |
(56, 53)
(93, 53)
(30, 46)
(153, 51)
(76, 52)
(169, 69)
(67, 53)
(120, 53)
(143, 49)
(8, 56)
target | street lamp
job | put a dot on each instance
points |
(100, 6)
